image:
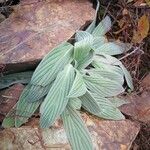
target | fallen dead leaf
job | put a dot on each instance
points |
(142, 30)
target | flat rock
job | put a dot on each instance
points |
(8, 98)
(35, 27)
(106, 135)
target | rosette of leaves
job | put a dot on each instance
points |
(69, 77)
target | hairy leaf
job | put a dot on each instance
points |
(81, 35)
(57, 98)
(107, 109)
(110, 48)
(89, 103)
(25, 109)
(37, 92)
(8, 80)
(107, 59)
(75, 103)
(92, 25)
(77, 132)
(79, 87)
(52, 63)
(105, 87)
(110, 74)
(103, 27)
(82, 48)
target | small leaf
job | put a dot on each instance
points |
(78, 87)
(92, 25)
(8, 80)
(52, 63)
(142, 29)
(103, 27)
(77, 133)
(57, 98)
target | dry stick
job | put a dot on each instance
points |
(128, 54)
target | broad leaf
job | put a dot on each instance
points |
(85, 61)
(107, 109)
(79, 87)
(25, 109)
(82, 49)
(103, 27)
(98, 42)
(104, 86)
(75, 103)
(110, 74)
(107, 59)
(89, 103)
(37, 92)
(77, 133)
(110, 48)
(57, 98)
(8, 80)
(81, 35)
(52, 63)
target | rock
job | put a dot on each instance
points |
(110, 135)
(138, 108)
(8, 98)
(35, 27)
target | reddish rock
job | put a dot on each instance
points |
(8, 98)
(110, 135)
(35, 27)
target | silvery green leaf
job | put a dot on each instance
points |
(107, 59)
(103, 27)
(9, 120)
(118, 101)
(57, 98)
(82, 49)
(85, 61)
(89, 103)
(127, 77)
(37, 92)
(107, 109)
(98, 42)
(78, 88)
(106, 67)
(75, 103)
(110, 74)
(25, 109)
(8, 80)
(109, 48)
(92, 25)
(81, 35)
(52, 63)
(104, 86)
(77, 133)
